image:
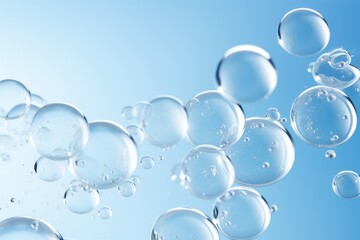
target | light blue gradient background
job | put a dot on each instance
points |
(103, 55)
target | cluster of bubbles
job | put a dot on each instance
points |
(228, 149)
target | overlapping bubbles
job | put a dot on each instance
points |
(228, 153)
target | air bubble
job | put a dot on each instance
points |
(127, 188)
(105, 213)
(330, 154)
(147, 162)
(136, 133)
(49, 170)
(273, 114)
(303, 32)
(246, 74)
(346, 184)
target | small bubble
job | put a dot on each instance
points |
(357, 90)
(266, 165)
(127, 188)
(330, 154)
(247, 139)
(260, 125)
(147, 162)
(273, 208)
(273, 114)
(35, 225)
(228, 223)
(13, 200)
(334, 138)
(161, 158)
(331, 98)
(127, 112)
(105, 213)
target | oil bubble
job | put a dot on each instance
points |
(330, 154)
(267, 158)
(184, 223)
(110, 156)
(15, 98)
(214, 120)
(105, 213)
(241, 213)
(167, 123)
(333, 69)
(273, 114)
(206, 172)
(28, 228)
(81, 198)
(49, 170)
(59, 131)
(246, 74)
(346, 184)
(136, 133)
(147, 162)
(319, 122)
(127, 188)
(303, 32)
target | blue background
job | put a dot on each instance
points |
(103, 55)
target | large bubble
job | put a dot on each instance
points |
(80, 198)
(59, 131)
(184, 223)
(323, 116)
(246, 73)
(214, 120)
(27, 228)
(165, 123)
(110, 156)
(15, 98)
(303, 32)
(346, 184)
(264, 154)
(241, 213)
(334, 69)
(206, 172)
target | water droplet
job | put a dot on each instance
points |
(273, 114)
(52, 129)
(127, 188)
(128, 112)
(330, 154)
(49, 170)
(346, 184)
(318, 112)
(105, 213)
(246, 74)
(303, 32)
(205, 117)
(147, 162)
(184, 223)
(246, 209)
(247, 139)
(266, 165)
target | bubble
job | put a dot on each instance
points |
(319, 122)
(49, 170)
(147, 162)
(267, 158)
(184, 223)
(142, 109)
(110, 156)
(81, 198)
(128, 112)
(273, 208)
(166, 125)
(346, 184)
(241, 213)
(330, 154)
(136, 133)
(59, 131)
(16, 228)
(37, 100)
(246, 73)
(303, 32)
(209, 112)
(206, 172)
(14, 99)
(21, 126)
(12, 200)
(273, 114)
(127, 188)
(105, 213)
(333, 69)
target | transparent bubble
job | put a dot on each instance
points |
(127, 112)
(274, 208)
(81, 198)
(18, 228)
(333, 69)
(59, 131)
(110, 156)
(273, 114)
(147, 162)
(246, 73)
(142, 109)
(14, 99)
(184, 223)
(105, 213)
(346, 184)
(303, 32)
(320, 122)
(49, 170)
(206, 172)
(127, 188)
(167, 123)
(136, 180)
(136, 133)
(267, 158)
(37, 100)
(330, 154)
(214, 120)
(241, 213)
